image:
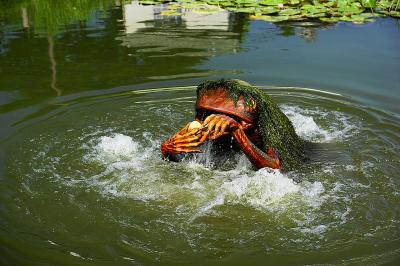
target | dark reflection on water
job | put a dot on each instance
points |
(127, 44)
(104, 48)
(92, 45)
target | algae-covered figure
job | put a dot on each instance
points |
(235, 109)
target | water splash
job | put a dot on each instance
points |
(115, 163)
(319, 125)
(135, 170)
(116, 147)
(129, 166)
(132, 170)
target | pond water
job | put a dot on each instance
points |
(85, 105)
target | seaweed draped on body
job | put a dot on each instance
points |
(276, 129)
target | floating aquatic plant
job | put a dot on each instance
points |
(356, 11)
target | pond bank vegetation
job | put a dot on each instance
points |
(47, 16)
(356, 11)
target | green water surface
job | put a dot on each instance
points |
(90, 89)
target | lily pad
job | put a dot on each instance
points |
(272, 2)
(269, 10)
(245, 10)
(242, 2)
(357, 19)
(356, 11)
(289, 12)
(313, 9)
(388, 4)
(227, 4)
(270, 18)
(368, 3)
(335, 13)
(251, 5)
(316, 15)
(368, 15)
(213, 2)
(395, 14)
(354, 8)
(294, 2)
(297, 17)
(331, 19)
(342, 3)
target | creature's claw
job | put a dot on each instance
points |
(217, 127)
(204, 137)
(183, 142)
(211, 123)
(183, 130)
(218, 124)
(187, 150)
(190, 144)
(208, 119)
(224, 126)
(214, 126)
(189, 133)
(186, 140)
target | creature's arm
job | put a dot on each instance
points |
(256, 156)
(260, 159)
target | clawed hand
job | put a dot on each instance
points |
(184, 141)
(219, 125)
(214, 126)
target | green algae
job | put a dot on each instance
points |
(276, 129)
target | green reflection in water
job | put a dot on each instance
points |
(106, 51)
(49, 16)
(151, 53)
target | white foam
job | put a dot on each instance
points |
(262, 189)
(316, 230)
(134, 170)
(306, 127)
(125, 171)
(338, 126)
(116, 152)
(131, 171)
(312, 193)
(116, 147)
(76, 255)
(266, 190)
(343, 215)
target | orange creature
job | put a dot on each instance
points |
(220, 117)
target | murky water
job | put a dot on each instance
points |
(82, 180)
